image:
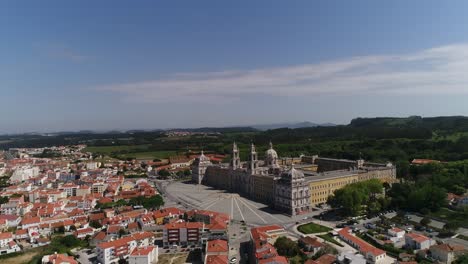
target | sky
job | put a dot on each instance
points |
(104, 65)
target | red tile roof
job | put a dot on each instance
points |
(362, 246)
(417, 237)
(7, 235)
(424, 161)
(218, 246)
(274, 260)
(142, 251)
(216, 259)
(326, 259)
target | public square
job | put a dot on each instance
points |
(238, 207)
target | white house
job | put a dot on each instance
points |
(446, 253)
(145, 255)
(417, 241)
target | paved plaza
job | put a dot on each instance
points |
(239, 208)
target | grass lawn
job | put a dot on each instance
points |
(446, 214)
(329, 238)
(313, 228)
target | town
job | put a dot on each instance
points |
(233, 132)
(67, 205)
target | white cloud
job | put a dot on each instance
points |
(439, 70)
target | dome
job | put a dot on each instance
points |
(294, 174)
(271, 153)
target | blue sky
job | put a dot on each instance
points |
(147, 64)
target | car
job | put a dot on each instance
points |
(430, 230)
(233, 260)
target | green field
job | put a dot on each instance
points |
(313, 228)
(150, 155)
(135, 151)
(110, 149)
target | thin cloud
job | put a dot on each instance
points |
(63, 52)
(439, 70)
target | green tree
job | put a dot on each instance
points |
(463, 259)
(425, 221)
(95, 224)
(451, 226)
(122, 232)
(286, 247)
(4, 199)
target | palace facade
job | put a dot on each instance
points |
(289, 185)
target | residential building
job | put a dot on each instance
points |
(144, 255)
(262, 240)
(216, 247)
(446, 253)
(310, 245)
(183, 233)
(58, 259)
(114, 250)
(371, 253)
(417, 241)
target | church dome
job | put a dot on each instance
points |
(271, 154)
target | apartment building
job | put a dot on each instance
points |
(183, 233)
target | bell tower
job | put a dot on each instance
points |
(253, 160)
(235, 161)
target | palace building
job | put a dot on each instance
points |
(289, 185)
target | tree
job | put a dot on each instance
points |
(425, 221)
(402, 169)
(4, 199)
(286, 247)
(61, 229)
(451, 226)
(327, 249)
(164, 174)
(153, 202)
(353, 197)
(95, 224)
(122, 232)
(120, 203)
(463, 259)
